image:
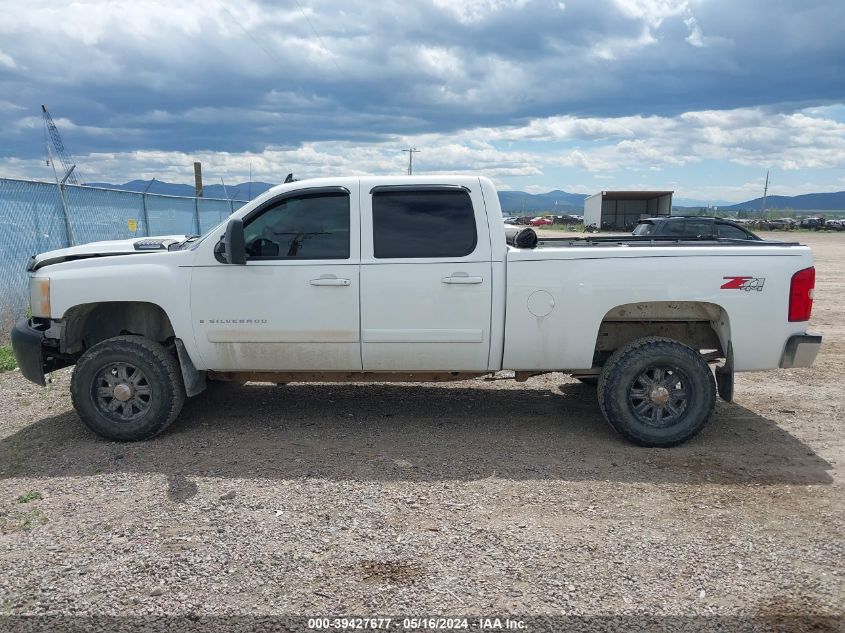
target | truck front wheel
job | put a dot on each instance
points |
(127, 388)
(656, 392)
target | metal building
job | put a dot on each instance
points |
(620, 210)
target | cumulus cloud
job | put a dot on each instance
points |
(7, 61)
(517, 87)
(600, 147)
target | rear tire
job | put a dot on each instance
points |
(657, 392)
(127, 388)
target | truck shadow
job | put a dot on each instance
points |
(414, 433)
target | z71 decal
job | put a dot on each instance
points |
(744, 283)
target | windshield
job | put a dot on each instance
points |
(644, 228)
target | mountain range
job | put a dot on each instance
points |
(512, 202)
(805, 202)
(242, 191)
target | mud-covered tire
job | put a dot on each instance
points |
(686, 383)
(137, 369)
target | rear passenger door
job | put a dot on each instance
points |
(425, 278)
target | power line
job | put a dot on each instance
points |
(317, 35)
(270, 53)
(257, 42)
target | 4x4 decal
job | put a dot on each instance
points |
(744, 283)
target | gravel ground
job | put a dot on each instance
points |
(481, 498)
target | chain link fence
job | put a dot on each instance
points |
(37, 216)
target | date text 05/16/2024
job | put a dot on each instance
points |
(417, 624)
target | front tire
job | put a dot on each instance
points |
(127, 388)
(657, 392)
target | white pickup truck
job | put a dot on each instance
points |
(411, 279)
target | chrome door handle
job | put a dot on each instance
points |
(330, 281)
(462, 278)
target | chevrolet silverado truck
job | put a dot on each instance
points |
(412, 279)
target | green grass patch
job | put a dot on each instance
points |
(7, 358)
(12, 522)
(32, 495)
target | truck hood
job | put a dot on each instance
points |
(135, 246)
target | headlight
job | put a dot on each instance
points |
(39, 296)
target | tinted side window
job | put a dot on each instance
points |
(305, 227)
(687, 228)
(646, 228)
(704, 229)
(726, 230)
(674, 227)
(423, 224)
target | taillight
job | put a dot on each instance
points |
(801, 294)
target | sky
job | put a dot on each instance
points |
(699, 96)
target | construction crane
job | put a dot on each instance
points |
(69, 173)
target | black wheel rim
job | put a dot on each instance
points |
(659, 395)
(122, 392)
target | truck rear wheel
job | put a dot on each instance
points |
(657, 392)
(127, 388)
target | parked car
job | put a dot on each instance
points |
(410, 279)
(835, 225)
(692, 227)
(541, 221)
(780, 224)
(814, 223)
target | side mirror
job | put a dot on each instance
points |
(233, 248)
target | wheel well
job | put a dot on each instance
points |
(700, 325)
(88, 324)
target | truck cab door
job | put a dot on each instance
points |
(294, 305)
(426, 283)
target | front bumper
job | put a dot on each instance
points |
(27, 343)
(800, 350)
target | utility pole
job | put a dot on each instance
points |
(411, 151)
(765, 194)
(198, 179)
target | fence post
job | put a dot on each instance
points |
(146, 214)
(68, 229)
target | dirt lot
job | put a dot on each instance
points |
(482, 499)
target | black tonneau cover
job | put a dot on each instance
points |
(645, 240)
